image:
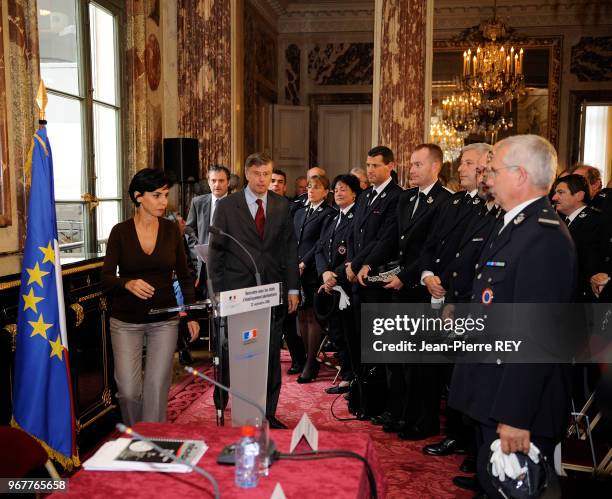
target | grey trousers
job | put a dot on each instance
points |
(143, 398)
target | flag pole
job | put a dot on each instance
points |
(42, 100)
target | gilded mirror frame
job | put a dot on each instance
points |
(554, 47)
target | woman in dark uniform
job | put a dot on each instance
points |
(330, 257)
(308, 222)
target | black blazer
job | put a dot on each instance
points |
(410, 232)
(440, 248)
(533, 260)
(462, 269)
(586, 231)
(308, 231)
(276, 255)
(373, 226)
(332, 249)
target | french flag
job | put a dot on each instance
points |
(249, 335)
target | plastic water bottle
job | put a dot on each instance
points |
(247, 459)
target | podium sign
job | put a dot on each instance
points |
(248, 313)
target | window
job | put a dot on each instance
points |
(79, 63)
(597, 143)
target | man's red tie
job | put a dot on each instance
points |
(260, 218)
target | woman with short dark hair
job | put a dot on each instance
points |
(142, 254)
(308, 222)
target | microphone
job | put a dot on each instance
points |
(217, 231)
(268, 444)
(168, 453)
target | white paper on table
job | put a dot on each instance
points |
(305, 429)
(278, 492)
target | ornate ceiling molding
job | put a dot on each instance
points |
(450, 15)
(270, 10)
(324, 17)
(318, 17)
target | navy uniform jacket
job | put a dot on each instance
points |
(373, 225)
(462, 269)
(410, 232)
(440, 248)
(603, 200)
(332, 249)
(535, 262)
(586, 230)
(307, 233)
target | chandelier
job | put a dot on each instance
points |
(460, 111)
(494, 70)
(447, 137)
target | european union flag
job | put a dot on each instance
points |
(42, 394)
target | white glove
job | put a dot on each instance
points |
(507, 465)
(344, 299)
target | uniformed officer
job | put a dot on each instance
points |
(330, 255)
(439, 259)
(373, 229)
(416, 212)
(308, 222)
(571, 199)
(530, 258)
(302, 200)
(456, 214)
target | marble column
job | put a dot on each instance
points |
(24, 77)
(401, 75)
(5, 180)
(204, 77)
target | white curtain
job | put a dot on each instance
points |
(598, 140)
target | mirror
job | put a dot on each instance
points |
(537, 111)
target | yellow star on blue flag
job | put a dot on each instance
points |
(42, 391)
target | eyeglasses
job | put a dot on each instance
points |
(490, 171)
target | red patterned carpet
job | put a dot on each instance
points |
(409, 473)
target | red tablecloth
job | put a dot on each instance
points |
(338, 477)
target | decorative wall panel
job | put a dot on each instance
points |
(260, 73)
(402, 79)
(292, 74)
(204, 82)
(144, 95)
(341, 64)
(592, 58)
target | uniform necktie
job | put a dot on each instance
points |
(420, 199)
(339, 221)
(567, 221)
(373, 197)
(260, 218)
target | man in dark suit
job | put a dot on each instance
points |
(571, 198)
(411, 395)
(373, 227)
(202, 211)
(260, 220)
(519, 403)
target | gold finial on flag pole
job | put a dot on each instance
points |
(41, 100)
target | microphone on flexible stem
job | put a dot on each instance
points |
(268, 443)
(168, 453)
(217, 231)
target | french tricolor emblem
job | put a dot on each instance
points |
(249, 336)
